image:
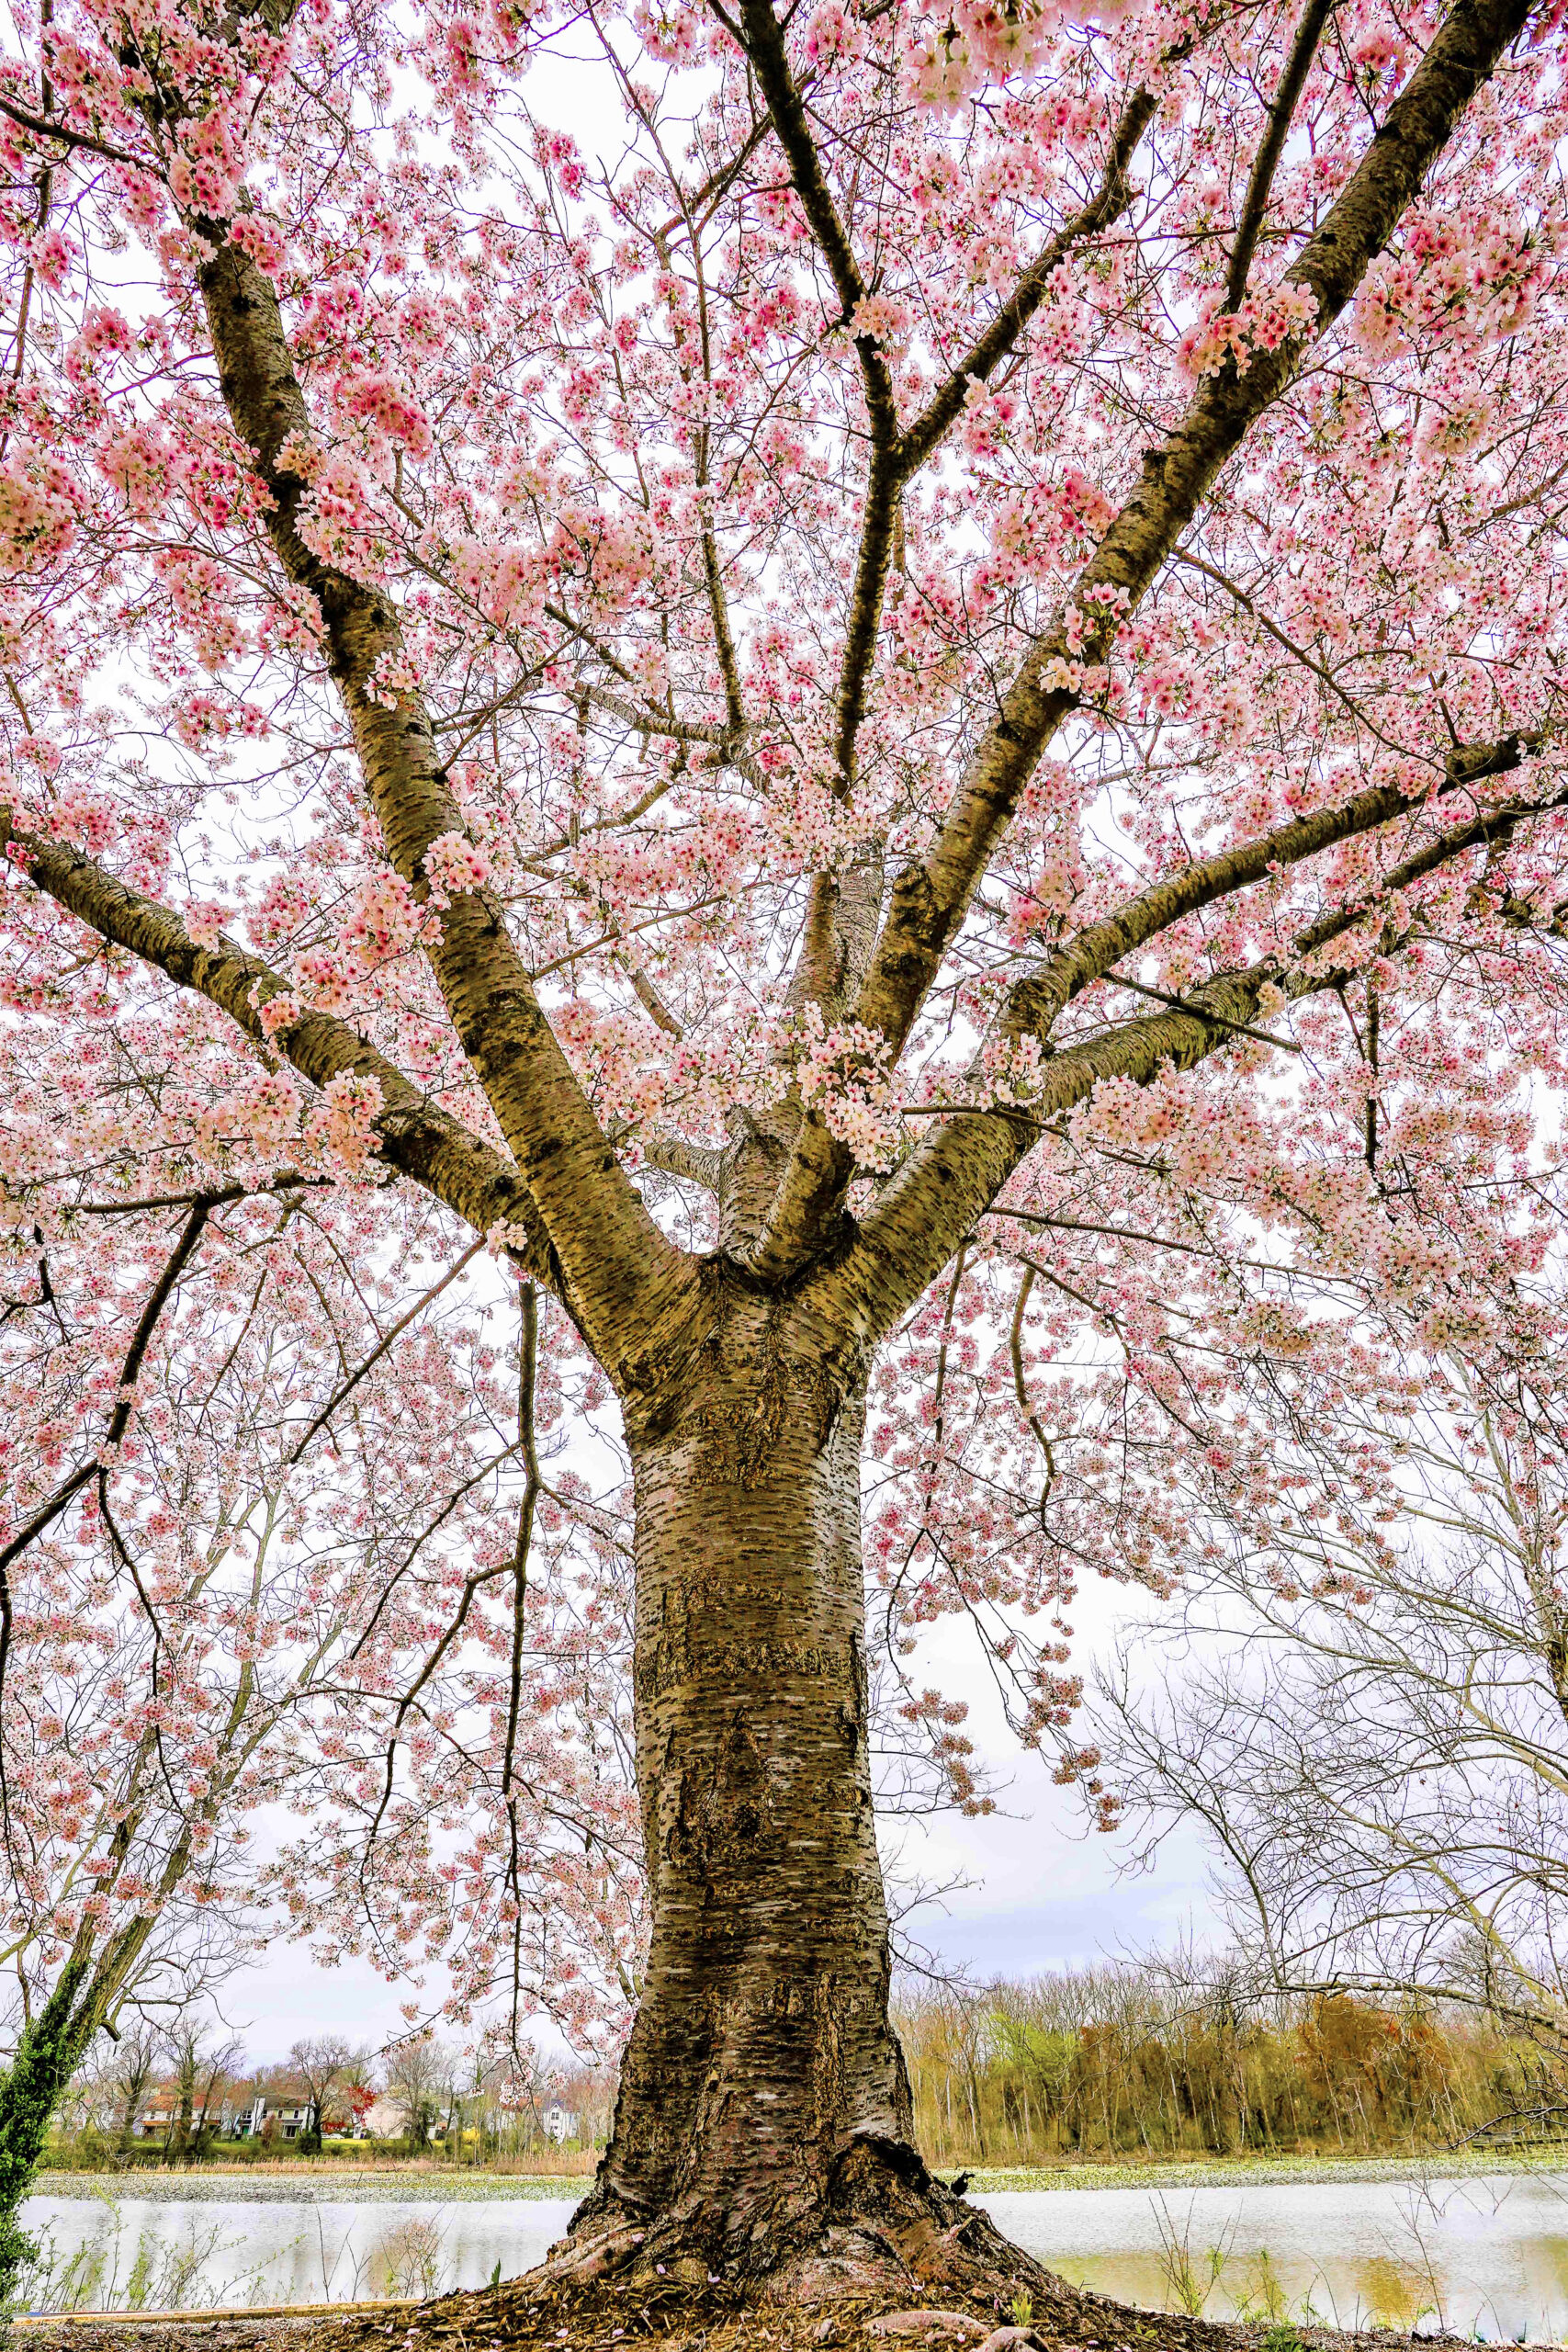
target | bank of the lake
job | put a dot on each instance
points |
(1276, 2171)
(332, 2181)
(1480, 2252)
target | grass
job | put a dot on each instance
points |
(343, 2155)
(409, 2264)
(167, 2277)
(304, 2184)
(425, 2181)
(1222, 2172)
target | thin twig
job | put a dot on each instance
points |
(1199, 1012)
(402, 1325)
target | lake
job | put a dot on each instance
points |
(1484, 2255)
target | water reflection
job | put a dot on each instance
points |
(1486, 2256)
(129, 2250)
(1480, 2256)
(1392, 2294)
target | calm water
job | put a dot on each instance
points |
(1482, 2256)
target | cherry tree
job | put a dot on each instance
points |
(836, 703)
(234, 1602)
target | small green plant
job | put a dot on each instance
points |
(1189, 2279)
(1283, 2338)
(1263, 2298)
(141, 2272)
(1021, 2308)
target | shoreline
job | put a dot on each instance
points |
(315, 2185)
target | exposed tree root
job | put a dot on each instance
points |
(880, 2222)
(886, 2259)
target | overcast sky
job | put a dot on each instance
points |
(1041, 1895)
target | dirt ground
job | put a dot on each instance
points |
(513, 2318)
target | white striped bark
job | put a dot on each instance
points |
(761, 2047)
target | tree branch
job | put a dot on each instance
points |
(1110, 200)
(957, 1171)
(70, 138)
(617, 1264)
(1095, 951)
(765, 44)
(1254, 203)
(120, 1421)
(416, 1137)
(379, 1350)
(675, 1157)
(761, 37)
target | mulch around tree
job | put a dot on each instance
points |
(515, 2317)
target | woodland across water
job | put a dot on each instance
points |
(1122, 2063)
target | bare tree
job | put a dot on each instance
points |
(136, 2056)
(1366, 1719)
(204, 2062)
(323, 2061)
(418, 2073)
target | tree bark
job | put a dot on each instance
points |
(763, 2049)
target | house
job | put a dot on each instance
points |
(215, 2108)
(282, 2109)
(157, 2116)
(159, 2113)
(560, 2123)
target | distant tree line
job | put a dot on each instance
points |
(1159, 2058)
(180, 2095)
(1170, 2053)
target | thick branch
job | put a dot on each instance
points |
(765, 44)
(824, 951)
(956, 1173)
(615, 1260)
(417, 1138)
(959, 1169)
(812, 1182)
(723, 635)
(1095, 951)
(693, 1162)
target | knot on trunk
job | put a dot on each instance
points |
(724, 1825)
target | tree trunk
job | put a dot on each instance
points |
(763, 2049)
(763, 2129)
(47, 2055)
(45, 2058)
